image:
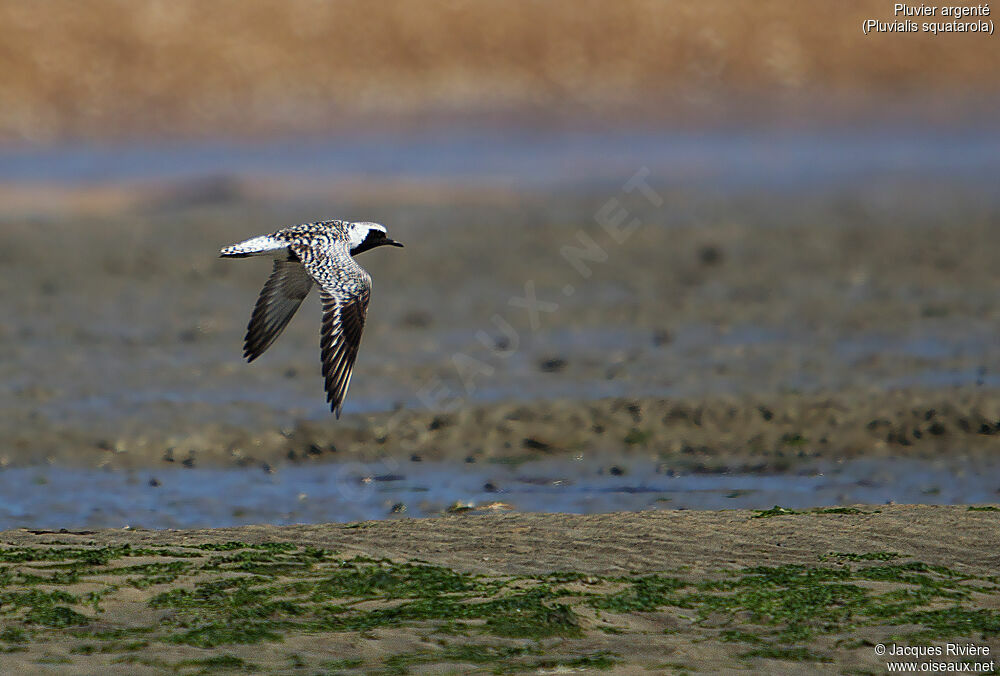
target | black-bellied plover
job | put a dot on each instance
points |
(323, 253)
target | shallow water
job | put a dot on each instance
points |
(525, 157)
(337, 492)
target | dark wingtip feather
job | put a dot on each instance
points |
(250, 350)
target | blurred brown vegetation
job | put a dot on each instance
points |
(119, 68)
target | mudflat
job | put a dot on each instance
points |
(843, 326)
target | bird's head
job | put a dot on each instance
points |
(364, 236)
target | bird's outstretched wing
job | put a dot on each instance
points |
(343, 322)
(345, 289)
(281, 296)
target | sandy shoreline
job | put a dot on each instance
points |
(635, 543)
(808, 592)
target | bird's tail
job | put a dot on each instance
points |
(258, 246)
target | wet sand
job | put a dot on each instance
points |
(807, 592)
(860, 328)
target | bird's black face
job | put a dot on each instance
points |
(374, 238)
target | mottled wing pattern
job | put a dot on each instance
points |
(343, 322)
(345, 289)
(281, 296)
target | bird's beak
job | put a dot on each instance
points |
(393, 242)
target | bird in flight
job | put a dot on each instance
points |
(320, 253)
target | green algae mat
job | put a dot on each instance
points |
(80, 603)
